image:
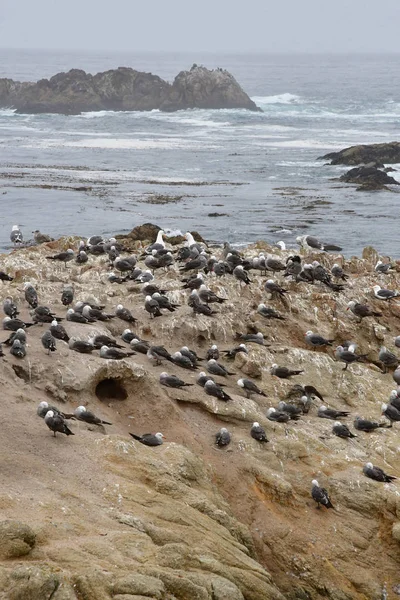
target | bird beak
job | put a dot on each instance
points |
(348, 308)
(164, 438)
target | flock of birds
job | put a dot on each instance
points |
(197, 266)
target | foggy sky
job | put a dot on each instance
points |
(214, 25)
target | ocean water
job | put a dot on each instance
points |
(105, 172)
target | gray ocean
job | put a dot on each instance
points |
(105, 172)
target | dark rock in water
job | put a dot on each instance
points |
(368, 178)
(378, 154)
(124, 89)
(145, 232)
(202, 88)
(217, 214)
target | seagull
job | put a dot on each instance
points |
(365, 425)
(250, 387)
(80, 346)
(104, 340)
(348, 357)
(383, 294)
(273, 288)
(312, 242)
(362, 310)
(18, 349)
(10, 308)
(317, 341)
(283, 372)
(82, 414)
(152, 306)
(62, 256)
(207, 296)
(149, 439)
(140, 346)
(294, 412)
(14, 324)
(342, 430)
(172, 381)
(81, 257)
(5, 277)
(114, 353)
(377, 474)
(396, 375)
(251, 338)
(338, 272)
(191, 355)
(44, 408)
(222, 437)
(48, 342)
(330, 413)
(277, 416)
(76, 317)
(258, 433)
(214, 389)
(183, 361)
(67, 295)
(164, 302)
(320, 495)
(30, 295)
(158, 354)
(388, 359)
(16, 235)
(269, 313)
(232, 353)
(381, 267)
(20, 335)
(216, 368)
(194, 283)
(124, 314)
(56, 423)
(241, 275)
(390, 412)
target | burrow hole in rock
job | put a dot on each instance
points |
(111, 389)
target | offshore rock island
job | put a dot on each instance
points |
(125, 89)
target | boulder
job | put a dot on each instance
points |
(378, 154)
(368, 177)
(204, 88)
(16, 539)
(124, 89)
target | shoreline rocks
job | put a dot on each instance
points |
(125, 89)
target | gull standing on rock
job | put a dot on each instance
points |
(56, 423)
(391, 413)
(250, 387)
(158, 354)
(152, 306)
(317, 341)
(10, 308)
(62, 257)
(241, 275)
(30, 295)
(18, 349)
(362, 310)
(388, 359)
(320, 495)
(348, 357)
(67, 295)
(16, 235)
(48, 342)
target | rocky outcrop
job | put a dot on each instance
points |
(125, 89)
(368, 178)
(99, 516)
(378, 154)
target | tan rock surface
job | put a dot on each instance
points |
(114, 519)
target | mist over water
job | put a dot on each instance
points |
(106, 172)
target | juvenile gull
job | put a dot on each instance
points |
(377, 474)
(258, 433)
(104, 340)
(30, 295)
(222, 437)
(342, 430)
(269, 313)
(82, 414)
(149, 439)
(320, 495)
(158, 354)
(48, 342)
(338, 272)
(18, 349)
(251, 338)
(274, 289)
(80, 346)
(56, 423)
(274, 264)
(67, 295)
(250, 387)
(172, 381)
(284, 372)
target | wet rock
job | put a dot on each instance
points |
(368, 177)
(146, 232)
(125, 89)
(379, 154)
(16, 539)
